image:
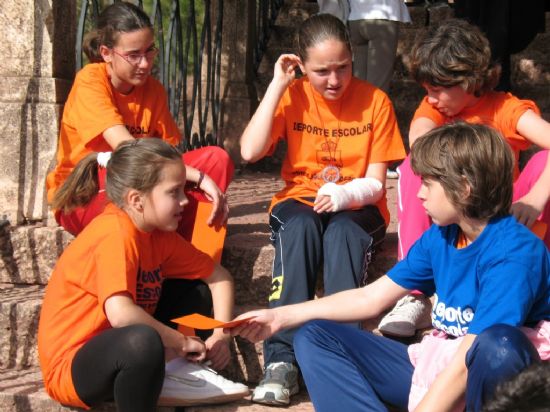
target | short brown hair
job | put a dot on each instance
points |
(317, 29)
(454, 53)
(459, 153)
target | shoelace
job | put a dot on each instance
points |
(403, 303)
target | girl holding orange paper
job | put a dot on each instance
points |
(98, 336)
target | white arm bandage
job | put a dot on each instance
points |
(103, 158)
(359, 192)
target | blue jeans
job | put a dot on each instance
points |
(351, 370)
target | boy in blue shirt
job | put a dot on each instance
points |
(489, 274)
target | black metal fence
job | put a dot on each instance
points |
(266, 13)
(189, 37)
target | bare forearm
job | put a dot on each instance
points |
(256, 138)
(449, 387)
(541, 188)
(222, 298)
(131, 314)
(347, 306)
(115, 135)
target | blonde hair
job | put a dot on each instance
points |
(135, 164)
(461, 153)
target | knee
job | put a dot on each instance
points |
(143, 339)
(304, 223)
(342, 230)
(306, 338)
(221, 158)
(502, 346)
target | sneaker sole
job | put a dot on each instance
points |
(395, 329)
(268, 396)
(169, 401)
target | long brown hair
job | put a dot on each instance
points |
(119, 17)
(135, 164)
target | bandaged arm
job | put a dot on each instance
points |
(357, 193)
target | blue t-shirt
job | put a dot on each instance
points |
(502, 277)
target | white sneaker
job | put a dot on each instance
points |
(392, 174)
(187, 383)
(409, 314)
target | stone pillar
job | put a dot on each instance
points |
(36, 70)
(37, 65)
(238, 93)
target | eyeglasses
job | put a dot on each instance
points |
(135, 58)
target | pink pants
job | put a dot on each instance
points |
(435, 352)
(211, 160)
(413, 220)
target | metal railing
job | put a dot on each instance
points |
(266, 13)
(189, 38)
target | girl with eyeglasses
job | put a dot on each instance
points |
(115, 99)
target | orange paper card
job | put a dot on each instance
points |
(197, 321)
(207, 238)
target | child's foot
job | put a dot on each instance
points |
(280, 382)
(187, 383)
(409, 314)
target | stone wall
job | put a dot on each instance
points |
(36, 68)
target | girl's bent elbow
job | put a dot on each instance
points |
(248, 155)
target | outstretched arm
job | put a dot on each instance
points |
(256, 138)
(347, 306)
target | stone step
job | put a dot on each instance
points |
(248, 254)
(29, 252)
(23, 391)
(19, 314)
(20, 311)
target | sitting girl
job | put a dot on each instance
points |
(97, 338)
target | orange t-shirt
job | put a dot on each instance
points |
(109, 256)
(358, 129)
(499, 110)
(94, 105)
